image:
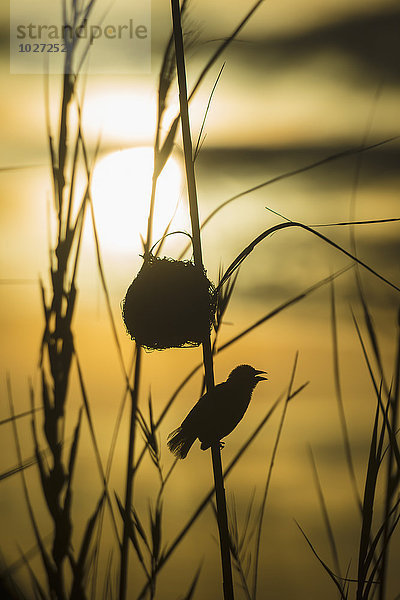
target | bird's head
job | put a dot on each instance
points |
(246, 375)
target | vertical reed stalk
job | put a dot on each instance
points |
(130, 473)
(160, 157)
(392, 473)
(198, 259)
(186, 135)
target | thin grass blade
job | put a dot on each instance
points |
(268, 480)
(331, 574)
(325, 514)
(339, 399)
(190, 593)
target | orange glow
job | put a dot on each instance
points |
(121, 189)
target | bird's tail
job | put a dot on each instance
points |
(180, 442)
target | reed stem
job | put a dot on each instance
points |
(130, 473)
(186, 135)
(198, 260)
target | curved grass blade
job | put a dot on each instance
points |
(368, 506)
(269, 475)
(288, 175)
(223, 46)
(392, 436)
(245, 253)
(325, 515)
(166, 149)
(199, 142)
(325, 566)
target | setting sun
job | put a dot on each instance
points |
(121, 189)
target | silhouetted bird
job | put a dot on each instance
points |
(217, 413)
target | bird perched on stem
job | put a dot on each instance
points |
(217, 413)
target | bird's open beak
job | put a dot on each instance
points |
(258, 377)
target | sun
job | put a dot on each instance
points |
(121, 188)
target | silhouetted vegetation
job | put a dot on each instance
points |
(172, 303)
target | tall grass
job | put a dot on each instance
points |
(73, 572)
(378, 518)
(222, 516)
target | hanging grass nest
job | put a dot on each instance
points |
(170, 304)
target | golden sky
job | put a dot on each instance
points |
(304, 81)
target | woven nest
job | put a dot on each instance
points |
(170, 304)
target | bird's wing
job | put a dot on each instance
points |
(229, 405)
(202, 411)
(218, 413)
